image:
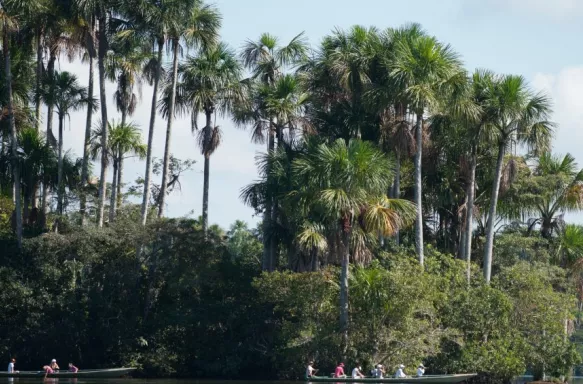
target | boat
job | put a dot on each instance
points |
(426, 379)
(84, 373)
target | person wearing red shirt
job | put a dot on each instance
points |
(339, 372)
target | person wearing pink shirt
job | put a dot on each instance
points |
(339, 372)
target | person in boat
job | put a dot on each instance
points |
(54, 366)
(420, 370)
(11, 366)
(357, 372)
(378, 372)
(339, 372)
(310, 370)
(400, 373)
(73, 368)
(48, 370)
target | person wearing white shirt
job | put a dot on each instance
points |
(310, 370)
(356, 372)
(11, 366)
(379, 371)
(420, 370)
(400, 374)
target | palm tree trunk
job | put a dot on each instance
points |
(397, 187)
(169, 130)
(44, 204)
(418, 188)
(39, 73)
(50, 108)
(205, 191)
(471, 193)
(489, 247)
(13, 138)
(103, 103)
(148, 176)
(119, 182)
(60, 185)
(86, 146)
(112, 199)
(268, 263)
(344, 290)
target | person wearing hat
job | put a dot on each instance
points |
(310, 370)
(400, 373)
(420, 370)
(54, 366)
(339, 372)
(379, 371)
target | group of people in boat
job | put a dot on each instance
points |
(378, 372)
(51, 368)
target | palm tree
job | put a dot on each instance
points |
(543, 196)
(124, 139)
(66, 94)
(346, 184)
(209, 83)
(518, 116)
(422, 68)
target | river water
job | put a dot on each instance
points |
(522, 380)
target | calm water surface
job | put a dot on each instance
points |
(138, 381)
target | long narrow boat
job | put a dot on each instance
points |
(428, 379)
(85, 373)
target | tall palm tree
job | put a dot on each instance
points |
(197, 24)
(267, 60)
(345, 185)
(209, 83)
(518, 116)
(66, 94)
(422, 68)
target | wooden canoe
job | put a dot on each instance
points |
(427, 379)
(85, 373)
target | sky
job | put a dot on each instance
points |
(539, 39)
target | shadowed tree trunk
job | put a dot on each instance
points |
(205, 191)
(112, 198)
(169, 129)
(103, 101)
(60, 185)
(489, 246)
(119, 182)
(397, 186)
(13, 138)
(148, 176)
(86, 145)
(344, 288)
(39, 74)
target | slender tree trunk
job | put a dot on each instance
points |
(87, 145)
(268, 256)
(489, 247)
(60, 184)
(44, 204)
(418, 189)
(471, 193)
(397, 188)
(344, 315)
(166, 168)
(205, 190)
(105, 133)
(50, 107)
(39, 74)
(124, 116)
(148, 175)
(113, 194)
(119, 182)
(13, 138)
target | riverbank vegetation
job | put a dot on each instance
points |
(413, 211)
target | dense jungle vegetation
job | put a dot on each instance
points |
(412, 211)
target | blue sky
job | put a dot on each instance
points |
(539, 39)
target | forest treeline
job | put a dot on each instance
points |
(412, 211)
